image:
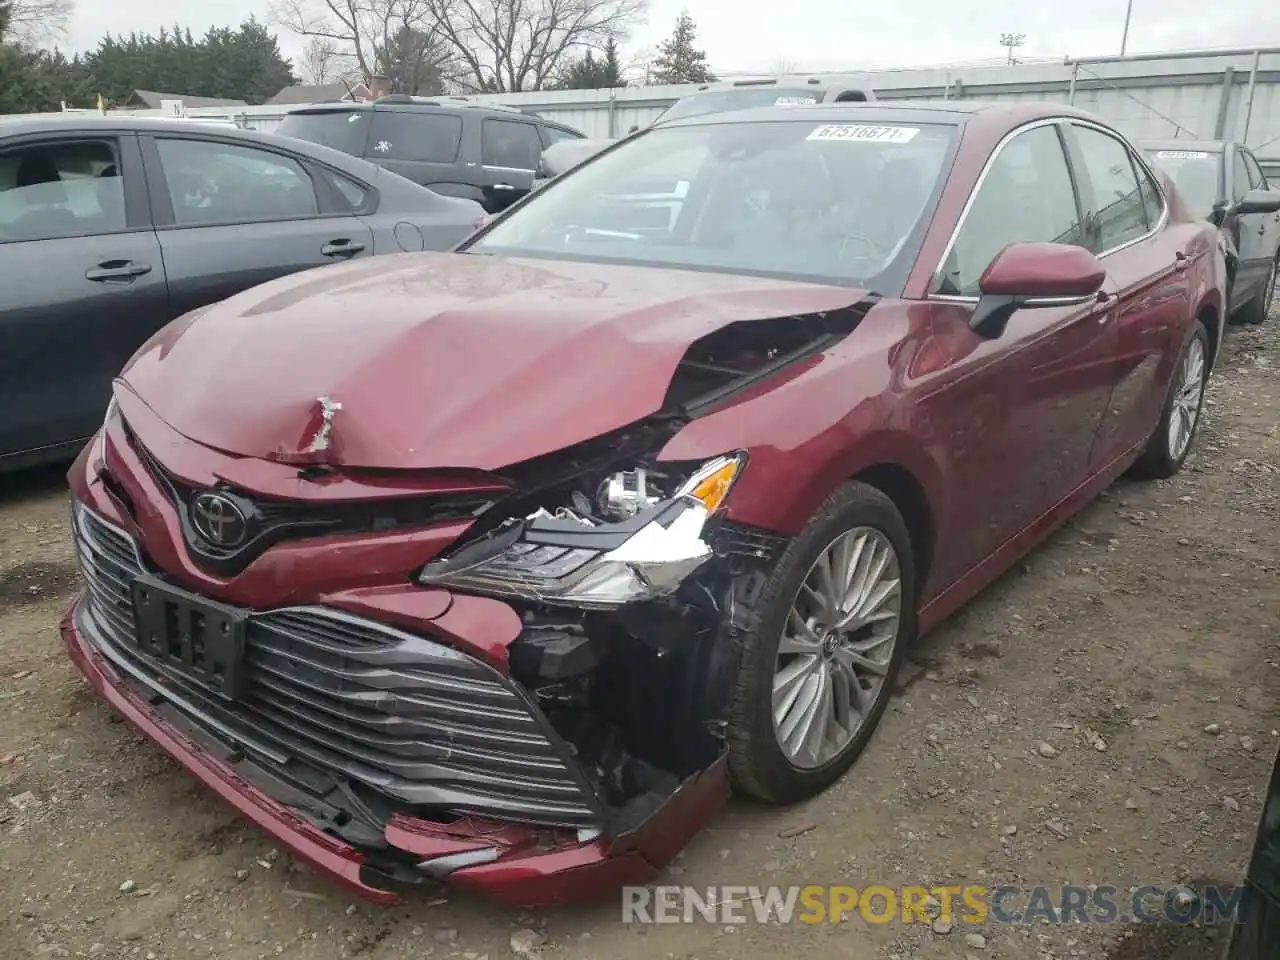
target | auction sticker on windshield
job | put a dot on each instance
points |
(1182, 155)
(793, 101)
(863, 133)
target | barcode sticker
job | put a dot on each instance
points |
(864, 133)
(794, 101)
(1181, 155)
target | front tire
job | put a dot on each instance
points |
(1168, 447)
(817, 669)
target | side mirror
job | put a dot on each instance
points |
(635, 128)
(1027, 275)
(1259, 201)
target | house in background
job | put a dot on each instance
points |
(150, 100)
(304, 93)
(321, 93)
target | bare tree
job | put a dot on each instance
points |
(321, 61)
(361, 32)
(38, 21)
(511, 45)
(782, 66)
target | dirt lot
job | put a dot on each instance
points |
(1149, 622)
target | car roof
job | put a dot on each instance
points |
(954, 112)
(401, 101)
(19, 123)
(23, 125)
(1199, 146)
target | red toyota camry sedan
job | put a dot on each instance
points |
(503, 566)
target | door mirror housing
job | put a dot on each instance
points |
(1259, 201)
(1026, 275)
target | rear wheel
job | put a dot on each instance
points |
(1255, 311)
(1169, 445)
(818, 667)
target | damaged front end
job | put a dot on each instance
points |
(634, 588)
(583, 738)
(632, 598)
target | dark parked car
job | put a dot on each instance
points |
(111, 227)
(499, 566)
(745, 94)
(1258, 936)
(1223, 182)
(484, 152)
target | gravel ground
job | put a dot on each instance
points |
(1139, 644)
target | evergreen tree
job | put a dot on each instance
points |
(592, 73)
(235, 64)
(679, 61)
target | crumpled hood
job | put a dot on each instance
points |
(441, 360)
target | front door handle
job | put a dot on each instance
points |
(117, 271)
(504, 187)
(341, 248)
(1105, 302)
(1181, 261)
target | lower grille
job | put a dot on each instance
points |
(413, 719)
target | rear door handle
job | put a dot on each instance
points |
(341, 248)
(117, 271)
(1181, 261)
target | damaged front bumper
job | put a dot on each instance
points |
(386, 758)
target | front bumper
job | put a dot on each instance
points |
(296, 788)
(525, 873)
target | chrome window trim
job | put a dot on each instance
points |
(986, 170)
(973, 194)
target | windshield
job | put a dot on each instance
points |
(345, 130)
(1194, 172)
(721, 101)
(830, 202)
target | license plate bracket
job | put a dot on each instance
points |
(197, 638)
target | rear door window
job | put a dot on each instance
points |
(1114, 209)
(510, 144)
(212, 182)
(420, 136)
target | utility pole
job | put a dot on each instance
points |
(1012, 40)
(1124, 38)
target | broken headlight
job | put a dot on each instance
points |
(566, 556)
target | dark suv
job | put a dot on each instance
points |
(459, 148)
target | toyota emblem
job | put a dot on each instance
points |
(219, 519)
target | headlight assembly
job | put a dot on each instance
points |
(567, 558)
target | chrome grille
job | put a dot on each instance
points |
(412, 718)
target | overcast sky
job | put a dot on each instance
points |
(755, 35)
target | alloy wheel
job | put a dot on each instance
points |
(1186, 399)
(836, 647)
